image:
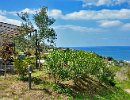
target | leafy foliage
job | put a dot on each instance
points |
(70, 64)
(42, 23)
(60, 88)
(21, 66)
(22, 41)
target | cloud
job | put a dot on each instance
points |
(108, 18)
(110, 23)
(4, 13)
(103, 2)
(104, 14)
(114, 24)
(92, 14)
(10, 21)
(5, 19)
(29, 11)
(78, 28)
(96, 2)
(55, 13)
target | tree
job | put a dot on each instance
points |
(43, 22)
(45, 34)
(31, 38)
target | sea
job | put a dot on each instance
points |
(116, 52)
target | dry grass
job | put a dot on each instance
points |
(11, 88)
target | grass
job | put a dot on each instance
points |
(125, 84)
(12, 88)
(103, 93)
(44, 88)
(113, 94)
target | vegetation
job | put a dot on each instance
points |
(21, 66)
(76, 75)
(44, 88)
(67, 74)
(41, 34)
(72, 65)
(6, 53)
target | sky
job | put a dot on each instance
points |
(79, 23)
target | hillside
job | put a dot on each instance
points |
(69, 79)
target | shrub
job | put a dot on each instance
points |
(21, 66)
(71, 64)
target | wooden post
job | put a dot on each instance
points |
(29, 76)
(5, 69)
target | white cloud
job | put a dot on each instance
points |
(110, 23)
(109, 18)
(4, 13)
(78, 28)
(96, 2)
(104, 14)
(122, 1)
(115, 24)
(92, 14)
(10, 21)
(29, 11)
(103, 2)
(56, 13)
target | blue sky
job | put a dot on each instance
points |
(78, 22)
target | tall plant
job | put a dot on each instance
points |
(32, 39)
(42, 23)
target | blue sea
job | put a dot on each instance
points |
(117, 52)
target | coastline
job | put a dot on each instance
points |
(116, 52)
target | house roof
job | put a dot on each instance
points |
(8, 30)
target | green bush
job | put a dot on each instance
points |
(71, 64)
(21, 66)
(60, 88)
